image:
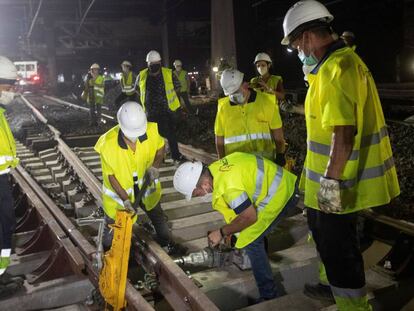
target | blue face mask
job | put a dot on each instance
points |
(307, 60)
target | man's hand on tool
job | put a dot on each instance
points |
(214, 238)
(153, 173)
(128, 206)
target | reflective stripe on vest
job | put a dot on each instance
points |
(368, 173)
(239, 200)
(6, 171)
(366, 141)
(240, 138)
(5, 159)
(259, 184)
(349, 292)
(115, 196)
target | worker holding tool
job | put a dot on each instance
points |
(252, 193)
(128, 151)
(265, 81)
(93, 93)
(158, 88)
(248, 121)
(128, 91)
(349, 164)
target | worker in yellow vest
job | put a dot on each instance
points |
(253, 194)
(349, 164)
(127, 152)
(248, 121)
(8, 160)
(127, 82)
(158, 88)
(184, 80)
(94, 92)
(265, 81)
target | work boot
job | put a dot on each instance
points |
(319, 291)
(6, 278)
(175, 249)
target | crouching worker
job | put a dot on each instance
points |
(127, 152)
(252, 193)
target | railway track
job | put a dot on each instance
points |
(59, 181)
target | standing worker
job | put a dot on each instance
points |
(253, 194)
(158, 89)
(184, 80)
(8, 160)
(267, 82)
(94, 93)
(248, 121)
(349, 164)
(128, 91)
(127, 152)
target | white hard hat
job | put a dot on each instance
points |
(132, 119)
(153, 57)
(177, 62)
(186, 178)
(348, 33)
(126, 63)
(262, 56)
(302, 12)
(95, 66)
(7, 69)
(230, 81)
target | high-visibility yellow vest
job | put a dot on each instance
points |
(172, 98)
(98, 86)
(240, 176)
(246, 128)
(128, 167)
(128, 84)
(272, 82)
(8, 157)
(343, 92)
(182, 77)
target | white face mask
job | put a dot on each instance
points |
(133, 139)
(262, 70)
(237, 98)
(6, 97)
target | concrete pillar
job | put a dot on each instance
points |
(223, 41)
(51, 56)
(164, 36)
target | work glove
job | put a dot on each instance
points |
(286, 105)
(280, 159)
(153, 173)
(128, 206)
(329, 195)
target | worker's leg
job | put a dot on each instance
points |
(98, 112)
(8, 221)
(92, 114)
(337, 243)
(166, 127)
(187, 102)
(158, 219)
(258, 256)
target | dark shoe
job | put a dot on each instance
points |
(319, 291)
(175, 249)
(7, 278)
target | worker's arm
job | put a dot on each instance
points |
(278, 137)
(245, 219)
(159, 156)
(118, 188)
(220, 146)
(341, 148)
(280, 91)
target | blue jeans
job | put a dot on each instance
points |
(258, 256)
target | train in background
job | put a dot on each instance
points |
(32, 75)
